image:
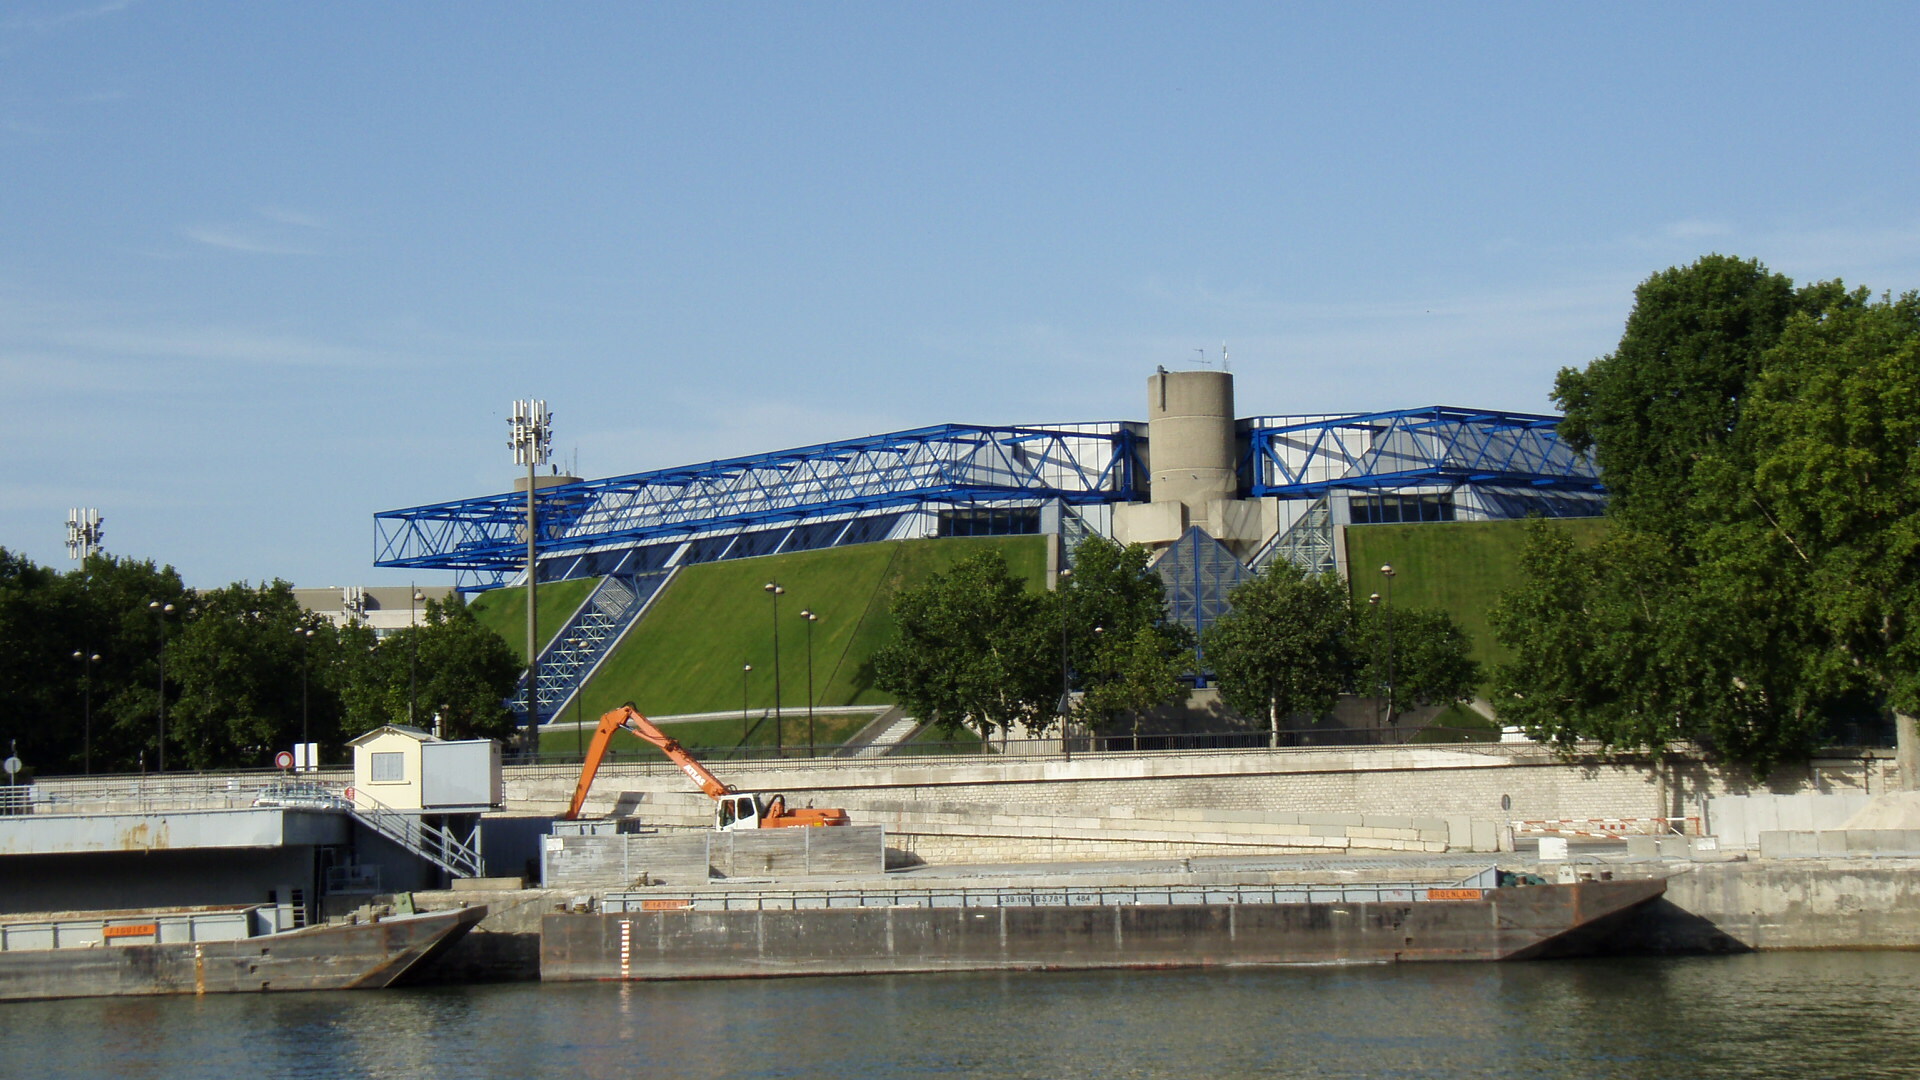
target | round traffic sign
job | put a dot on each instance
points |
(283, 760)
(12, 765)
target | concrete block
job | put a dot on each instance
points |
(1830, 843)
(1328, 830)
(1431, 824)
(1331, 819)
(1675, 847)
(1485, 836)
(1803, 843)
(1643, 847)
(1774, 844)
(1434, 836)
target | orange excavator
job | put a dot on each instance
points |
(733, 810)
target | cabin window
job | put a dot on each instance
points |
(389, 768)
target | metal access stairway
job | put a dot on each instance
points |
(438, 844)
(586, 639)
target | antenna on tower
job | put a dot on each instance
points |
(1203, 356)
(84, 533)
(1225, 363)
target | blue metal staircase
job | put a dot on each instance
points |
(586, 639)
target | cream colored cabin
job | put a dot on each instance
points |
(404, 768)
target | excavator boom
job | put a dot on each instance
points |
(626, 716)
(734, 806)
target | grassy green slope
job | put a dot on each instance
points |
(504, 611)
(1461, 567)
(685, 656)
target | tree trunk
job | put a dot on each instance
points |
(1660, 789)
(1273, 721)
(1906, 752)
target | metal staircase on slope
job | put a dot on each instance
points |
(586, 639)
(438, 844)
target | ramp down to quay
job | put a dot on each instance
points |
(668, 936)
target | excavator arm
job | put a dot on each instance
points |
(628, 717)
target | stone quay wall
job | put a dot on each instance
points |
(1353, 799)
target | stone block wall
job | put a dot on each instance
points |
(1247, 802)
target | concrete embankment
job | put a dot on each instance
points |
(1781, 904)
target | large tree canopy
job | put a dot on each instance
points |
(1285, 647)
(80, 670)
(975, 649)
(1125, 655)
(1748, 591)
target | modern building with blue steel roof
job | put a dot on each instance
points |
(1220, 496)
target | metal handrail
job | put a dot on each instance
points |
(1044, 896)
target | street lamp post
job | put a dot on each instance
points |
(87, 660)
(811, 619)
(305, 634)
(162, 610)
(1066, 689)
(779, 742)
(1373, 601)
(1386, 571)
(745, 730)
(413, 652)
(531, 442)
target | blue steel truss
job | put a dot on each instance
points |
(1296, 457)
(952, 464)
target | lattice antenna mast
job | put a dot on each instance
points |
(84, 533)
(532, 442)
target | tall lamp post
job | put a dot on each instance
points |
(811, 619)
(774, 590)
(1066, 688)
(87, 660)
(413, 652)
(745, 730)
(305, 634)
(532, 440)
(162, 611)
(1386, 571)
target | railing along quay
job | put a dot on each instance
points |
(1047, 896)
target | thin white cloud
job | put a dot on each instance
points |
(231, 238)
(57, 19)
(293, 217)
(1696, 229)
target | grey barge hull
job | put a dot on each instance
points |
(673, 938)
(366, 955)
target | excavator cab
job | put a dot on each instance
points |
(736, 811)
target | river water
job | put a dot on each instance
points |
(1772, 1015)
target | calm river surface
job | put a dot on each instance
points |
(1779, 1015)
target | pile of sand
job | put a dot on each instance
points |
(1894, 810)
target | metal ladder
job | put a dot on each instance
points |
(586, 639)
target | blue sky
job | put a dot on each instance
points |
(267, 268)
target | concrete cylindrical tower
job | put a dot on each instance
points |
(1190, 438)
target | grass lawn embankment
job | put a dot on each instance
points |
(504, 611)
(1461, 567)
(687, 654)
(710, 738)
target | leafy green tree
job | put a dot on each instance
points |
(975, 648)
(1834, 430)
(1424, 659)
(466, 673)
(1124, 653)
(1285, 647)
(1694, 618)
(1671, 392)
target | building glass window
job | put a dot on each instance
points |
(389, 768)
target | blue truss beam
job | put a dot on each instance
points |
(1411, 447)
(952, 464)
